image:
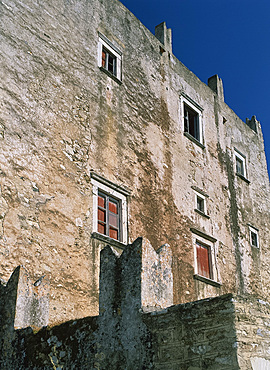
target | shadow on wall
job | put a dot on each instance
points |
(137, 327)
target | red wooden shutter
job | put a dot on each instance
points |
(203, 260)
(113, 219)
(101, 214)
(103, 58)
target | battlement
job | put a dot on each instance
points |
(140, 276)
(23, 303)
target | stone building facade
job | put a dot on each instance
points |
(106, 136)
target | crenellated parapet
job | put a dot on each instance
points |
(140, 277)
(25, 303)
(137, 281)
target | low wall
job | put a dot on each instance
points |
(197, 335)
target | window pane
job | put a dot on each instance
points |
(200, 204)
(111, 63)
(203, 260)
(102, 228)
(113, 220)
(101, 215)
(113, 207)
(101, 201)
(113, 234)
(239, 166)
(254, 239)
(196, 127)
(191, 122)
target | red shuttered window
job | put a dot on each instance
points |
(203, 260)
(108, 216)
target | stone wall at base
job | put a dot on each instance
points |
(208, 334)
(197, 335)
(223, 333)
(252, 323)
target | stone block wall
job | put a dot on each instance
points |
(197, 335)
(229, 332)
(252, 323)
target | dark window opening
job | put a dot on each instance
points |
(240, 166)
(191, 122)
(254, 239)
(200, 204)
(108, 61)
(203, 260)
(108, 216)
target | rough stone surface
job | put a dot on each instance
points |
(228, 332)
(61, 117)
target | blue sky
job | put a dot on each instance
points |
(230, 38)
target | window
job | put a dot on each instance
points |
(254, 239)
(109, 216)
(109, 58)
(191, 115)
(200, 204)
(109, 208)
(205, 268)
(191, 122)
(108, 61)
(240, 165)
(200, 201)
(254, 236)
(203, 254)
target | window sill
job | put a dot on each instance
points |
(192, 138)
(207, 281)
(108, 240)
(243, 177)
(201, 213)
(255, 246)
(110, 75)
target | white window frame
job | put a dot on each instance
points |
(201, 196)
(103, 41)
(256, 232)
(241, 158)
(117, 192)
(184, 99)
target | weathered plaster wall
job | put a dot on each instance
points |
(61, 117)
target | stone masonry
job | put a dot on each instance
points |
(67, 123)
(106, 136)
(227, 332)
